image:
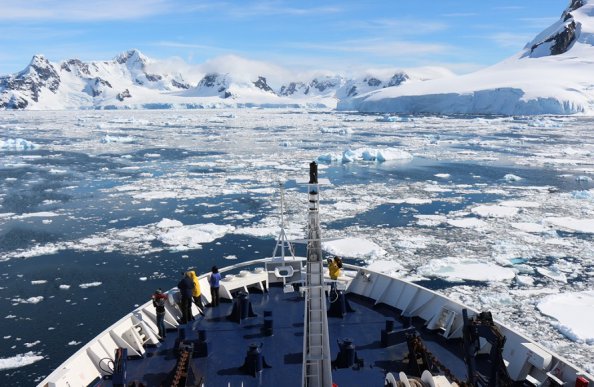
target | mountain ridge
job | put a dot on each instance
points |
(551, 75)
(133, 80)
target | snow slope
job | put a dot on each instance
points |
(134, 81)
(551, 75)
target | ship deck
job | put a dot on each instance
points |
(228, 343)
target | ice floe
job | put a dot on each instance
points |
(20, 360)
(18, 144)
(90, 285)
(193, 236)
(453, 269)
(574, 312)
(354, 248)
(572, 224)
(494, 211)
(30, 300)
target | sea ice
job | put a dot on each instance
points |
(19, 360)
(574, 312)
(90, 285)
(494, 211)
(455, 269)
(192, 236)
(353, 248)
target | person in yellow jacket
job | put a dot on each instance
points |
(334, 266)
(197, 294)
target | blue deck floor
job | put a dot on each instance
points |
(228, 343)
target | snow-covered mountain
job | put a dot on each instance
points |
(553, 74)
(131, 80)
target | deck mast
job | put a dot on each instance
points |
(282, 241)
(317, 370)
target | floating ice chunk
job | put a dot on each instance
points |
(379, 155)
(519, 203)
(572, 224)
(553, 274)
(494, 211)
(574, 313)
(454, 269)
(29, 345)
(389, 154)
(169, 223)
(430, 220)
(385, 266)
(442, 175)
(56, 171)
(582, 178)
(152, 195)
(142, 278)
(413, 201)
(190, 237)
(152, 155)
(524, 280)
(386, 119)
(529, 227)
(64, 287)
(19, 360)
(231, 257)
(30, 300)
(329, 158)
(119, 139)
(341, 131)
(74, 342)
(44, 214)
(354, 248)
(97, 241)
(584, 195)
(90, 285)
(38, 282)
(18, 144)
(467, 223)
(511, 177)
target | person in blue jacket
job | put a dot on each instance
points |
(186, 290)
(214, 281)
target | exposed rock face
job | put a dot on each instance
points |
(293, 88)
(398, 79)
(29, 83)
(561, 41)
(325, 83)
(97, 86)
(123, 95)
(214, 84)
(208, 80)
(575, 4)
(372, 81)
(262, 85)
(76, 66)
(180, 85)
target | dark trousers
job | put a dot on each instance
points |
(161, 324)
(186, 310)
(214, 294)
(198, 302)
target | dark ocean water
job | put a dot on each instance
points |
(67, 318)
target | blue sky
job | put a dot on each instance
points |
(345, 35)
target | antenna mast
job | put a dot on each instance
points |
(317, 371)
(282, 241)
